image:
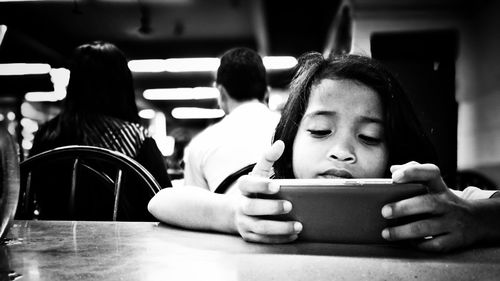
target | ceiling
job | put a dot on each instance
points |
(48, 31)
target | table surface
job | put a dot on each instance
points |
(76, 250)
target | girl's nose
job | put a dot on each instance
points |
(342, 150)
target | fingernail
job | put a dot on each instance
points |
(387, 212)
(297, 226)
(273, 187)
(385, 234)
(287, 206)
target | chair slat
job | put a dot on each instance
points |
(27, 196)
(118, 184)
(74, 175)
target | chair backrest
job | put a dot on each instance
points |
(84, 183)
(232, 178)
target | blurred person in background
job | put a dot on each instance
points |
(239, 138)
(100, 110)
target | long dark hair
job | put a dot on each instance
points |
(100, 83)
(406, 140)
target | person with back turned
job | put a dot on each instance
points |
(100, 110)
(237, 140)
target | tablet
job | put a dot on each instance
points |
(342, 210)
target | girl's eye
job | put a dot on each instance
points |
(370, 140)
(319, 133)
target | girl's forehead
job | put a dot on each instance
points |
(345, 95)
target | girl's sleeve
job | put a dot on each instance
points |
(474, 193)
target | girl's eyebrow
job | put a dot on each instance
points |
(320, 113)
(361, 119)
(370, 119)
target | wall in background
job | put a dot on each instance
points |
(477, 66)
(479, 120)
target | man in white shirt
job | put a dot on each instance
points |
(240, 138)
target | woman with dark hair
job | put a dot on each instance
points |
(346, 117)
(100, 110)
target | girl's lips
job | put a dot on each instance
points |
(336, 173)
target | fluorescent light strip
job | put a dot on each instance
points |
(24, 68)
(196, 113)
(147, 113)
(202, 64)
(197, 93)
(45, 96)
(279, 62)
(192, 64)
(153, 65)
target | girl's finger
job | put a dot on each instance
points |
(426, 173)
(428, 203)
(414, 230)
(268, 239)
(269, 227)
(251, 184)
(397, 167)
(442, 243)
(264, 166)
(263, 207)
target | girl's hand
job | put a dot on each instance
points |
(452, 221)
(247, 221)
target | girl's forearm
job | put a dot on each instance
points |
(194, 208)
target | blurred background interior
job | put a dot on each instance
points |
(445, 52)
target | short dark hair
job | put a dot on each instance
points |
(100, 83)
(243, 74)
(406, 140)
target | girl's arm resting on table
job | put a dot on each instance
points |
(195, 208)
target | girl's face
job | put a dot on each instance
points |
(341, 134)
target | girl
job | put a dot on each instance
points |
(346, 117)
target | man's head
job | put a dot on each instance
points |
(243, 75)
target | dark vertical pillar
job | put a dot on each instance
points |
(424, 62)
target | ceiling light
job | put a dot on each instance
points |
(279, 62)
(24, 68)
(192, 64)
(202, 64)
(196, 113)
(147, 113)
(197, 93)
(45, 96)
(153, 65)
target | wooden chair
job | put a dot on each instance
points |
(232, 178)
(85, 183)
